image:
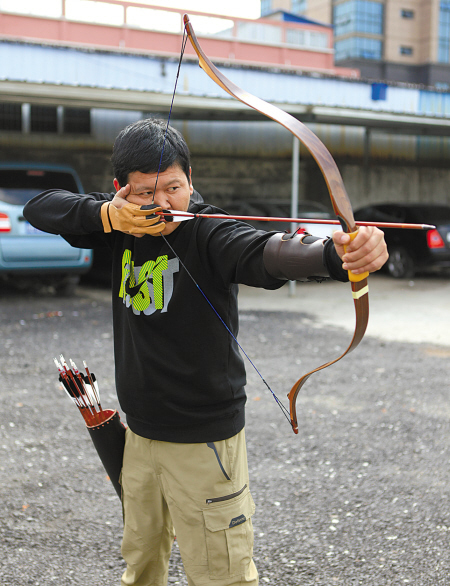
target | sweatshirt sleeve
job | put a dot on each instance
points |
(76, 217)
(234, 252)
(333, 263)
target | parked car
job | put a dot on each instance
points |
(27, 254)
(268, 208)
(411, 251)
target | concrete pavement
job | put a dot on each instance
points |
(403, 311)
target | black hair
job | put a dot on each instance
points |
(138, 147)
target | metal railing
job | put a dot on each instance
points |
(122, 13)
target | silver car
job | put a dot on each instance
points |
(28, 255)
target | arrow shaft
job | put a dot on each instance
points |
(182, 216)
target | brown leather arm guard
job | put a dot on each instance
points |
(295, 258)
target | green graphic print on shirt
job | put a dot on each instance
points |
(147, 288)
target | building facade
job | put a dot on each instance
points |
(395, 40)
(67, 88)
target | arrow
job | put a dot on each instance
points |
(178, 216)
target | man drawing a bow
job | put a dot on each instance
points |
(179, 374)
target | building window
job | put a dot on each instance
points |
(266, 7)
(305, 38)
(406, 50)
(11, 117)
(258, 33)
(444, 33)
(298, 6)
(358, 16)
(358, 47)
(407, 13)
(37, 118)
(43, 119)
(77, 121)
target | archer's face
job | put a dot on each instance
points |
(173, 191)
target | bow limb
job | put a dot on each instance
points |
(339, 198)
(338, 195)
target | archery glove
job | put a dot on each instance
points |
(131, 219)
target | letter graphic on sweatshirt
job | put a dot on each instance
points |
(150, 287)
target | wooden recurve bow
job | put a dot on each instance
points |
(338, 195)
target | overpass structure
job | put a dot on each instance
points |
(126, 61)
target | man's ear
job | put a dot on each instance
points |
(116, 184)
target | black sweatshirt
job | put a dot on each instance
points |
(179, 374)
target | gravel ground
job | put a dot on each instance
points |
(360, 496)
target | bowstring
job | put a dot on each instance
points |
(283, 408)
(183, 47)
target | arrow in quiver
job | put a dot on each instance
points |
(104, 425)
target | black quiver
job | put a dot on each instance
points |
(108, 438)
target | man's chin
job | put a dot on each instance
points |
(168, 228)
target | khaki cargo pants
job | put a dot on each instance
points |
(201, 493)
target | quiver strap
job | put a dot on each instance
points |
(109, 441)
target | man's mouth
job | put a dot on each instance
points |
(166, 218)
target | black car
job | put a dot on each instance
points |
(282, 208)
(411, 251)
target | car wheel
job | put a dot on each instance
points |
(66, 287)
(400, 264)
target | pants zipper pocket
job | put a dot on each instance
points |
(227, 497)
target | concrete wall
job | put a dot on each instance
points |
(223, 179)
(226, 177)
(408, 32)
(379, 182)
(320, 10)
(92, 164)
(383, 183)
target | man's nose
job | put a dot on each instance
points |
(160, 199)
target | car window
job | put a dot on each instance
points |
(396, 213)
(17, 186)
(381, 213)
(433, 215)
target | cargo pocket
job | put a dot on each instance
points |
(229, 537)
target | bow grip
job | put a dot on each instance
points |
(352, 277)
